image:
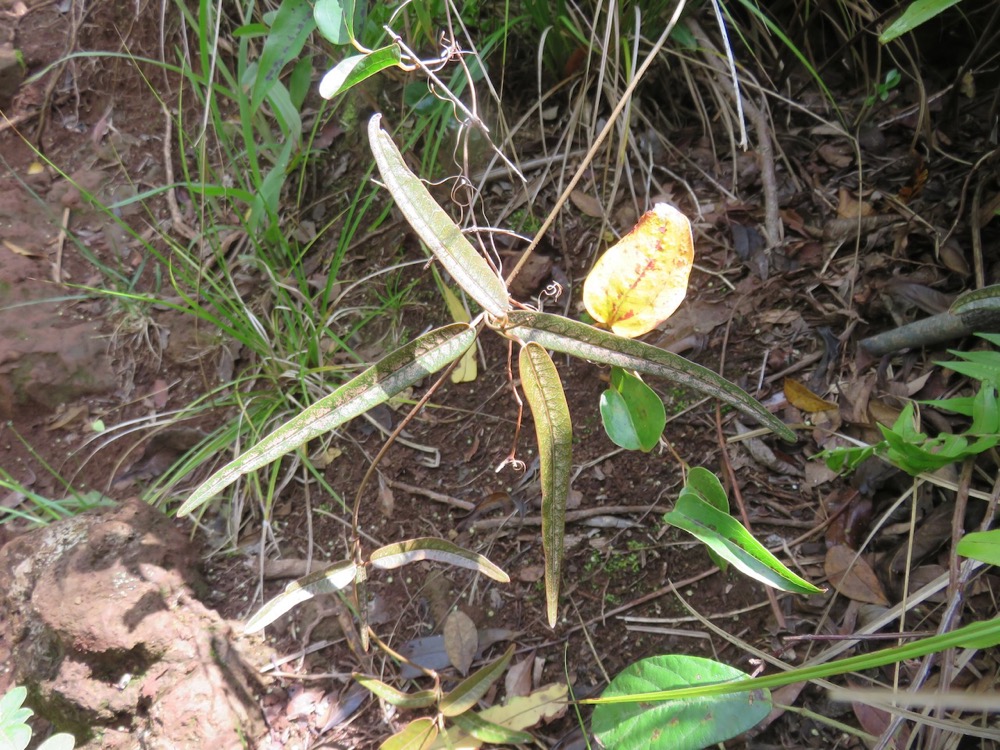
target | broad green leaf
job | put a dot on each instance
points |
(433, 225)
(14, 731)
(291, 27)
(420, 699)
(380, 382)
(726, 536)
(334, 578)
(335, 20)
(417, 735)
(467, 693)
(916, 13)
(571, 337)
(554, 431)
(981, 545)
(704, 484)
(352, 70)
(687, 725)
(632, 413)
(431, 548)
(642, 279)
(487, 731)
(982, 634)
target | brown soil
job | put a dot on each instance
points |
(80, 357)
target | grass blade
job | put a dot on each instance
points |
(387, 377)
(435, 227)
(554, 431)
(571, 337)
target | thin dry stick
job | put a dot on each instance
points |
(608, 127)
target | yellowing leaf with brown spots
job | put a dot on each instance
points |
(640, 281)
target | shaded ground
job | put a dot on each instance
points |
(855, 260)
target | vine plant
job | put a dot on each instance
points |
(702, 510)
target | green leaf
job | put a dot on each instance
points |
(351, 71)
(727, 537)
(14, 731)
(420, 699)
(571, 337)
(707, 486)
(433, 225)
(918, 12)
(417, 735)
(688, 725)
(431, 548)
(335, 20)
(487, 731)
(467, 693)
(380, 382)
(632, 413)
(293, 23)
(338, 576)
(981, 545)
(554, 431)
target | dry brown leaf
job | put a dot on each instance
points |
(461, 640)
(68, 416)
(801, 397)
(854, 578)
(850, 208)
(18, 250)
(587, 204)
(780, 317)
(386, 498)
(518, 680)
(159, 394)
(836, 155)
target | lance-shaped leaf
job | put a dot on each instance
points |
(433, 225)
(420, 699)
(380, 382)
(334, 578)
(353, 70)
(417, 735)
(431, 548)
(571, 337)
(554, 431)
(487, 731)
(468, 692)
(727, 537)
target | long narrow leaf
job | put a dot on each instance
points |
(419, 699)
(352, 70)
(727, 537)
(435, 227)
(419, 734)
(468, 692)
(334, 578)
(431, 548)
(554, 431)
(380, 382)
(983, 634)
(292, 25)
(571, 337)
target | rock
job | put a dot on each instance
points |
(107, 634)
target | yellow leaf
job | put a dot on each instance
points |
(14, 248)
(639, 282)
(522, 713)
(803, 399)
(467, 369)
